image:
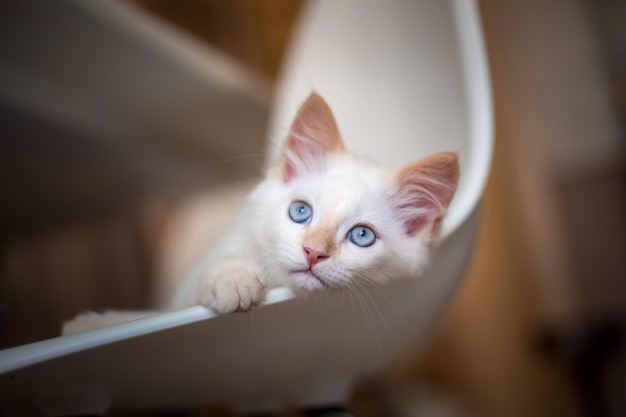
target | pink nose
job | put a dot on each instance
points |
(314, 256)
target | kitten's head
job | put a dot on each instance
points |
(335, 218)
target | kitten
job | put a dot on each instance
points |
(322, 218)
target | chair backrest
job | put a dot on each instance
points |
(404, 81)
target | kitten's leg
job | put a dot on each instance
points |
(91, 320)
(230, 285)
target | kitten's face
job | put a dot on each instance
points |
(333, 219)
(338, 225)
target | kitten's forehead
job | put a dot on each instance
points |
(346, 187)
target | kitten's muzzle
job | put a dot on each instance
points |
(314, 256)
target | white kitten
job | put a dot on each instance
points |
(323, 218)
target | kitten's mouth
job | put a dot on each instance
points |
(309, 279)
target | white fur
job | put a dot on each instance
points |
(92, 320)
(264, 245)
(268, 245)
(266, 249)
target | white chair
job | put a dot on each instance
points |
(404, 79)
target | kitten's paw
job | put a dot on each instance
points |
(234, 286)
(85, 321)
(90, 320)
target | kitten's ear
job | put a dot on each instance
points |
(425, 189)
(313, 134)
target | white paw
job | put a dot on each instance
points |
(231, 286)
(85, 321)
(90, 320)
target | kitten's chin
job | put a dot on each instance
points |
(308, 281)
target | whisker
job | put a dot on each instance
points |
(235, 158)
(382, 318)
(363, 303)
(391, 304)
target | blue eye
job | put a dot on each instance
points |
(300, 212)
(362, 236)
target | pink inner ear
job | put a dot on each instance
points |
(425, 189)
(313, 134)
(413, 226)
(289, 165)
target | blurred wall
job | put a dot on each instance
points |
(255, 32)
(106, 127)
(536, 327)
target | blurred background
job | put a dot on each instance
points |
(96, 182)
